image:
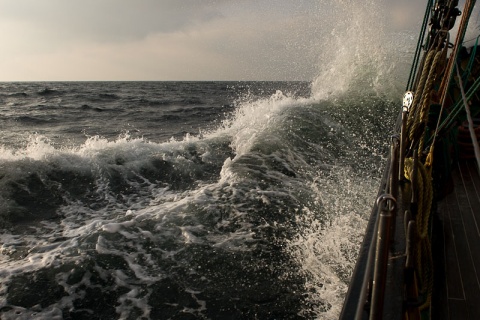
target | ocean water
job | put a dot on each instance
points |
(196, 200)
(183, 200)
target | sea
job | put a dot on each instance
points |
(194, 200)
(183, 200)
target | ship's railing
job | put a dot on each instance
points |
(369, 282)
(389, 242)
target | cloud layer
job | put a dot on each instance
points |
(171, 39)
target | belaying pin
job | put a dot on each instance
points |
(407, 100)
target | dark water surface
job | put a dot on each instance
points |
(183, 200)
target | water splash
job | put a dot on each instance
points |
(251, 119)
(326, 249)
(357, 52)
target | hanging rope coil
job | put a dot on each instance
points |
(418, 118)
(427, 96)
(417, 97)
(423, 252)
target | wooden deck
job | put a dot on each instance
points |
(456, 248)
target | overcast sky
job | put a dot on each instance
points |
(182, 39)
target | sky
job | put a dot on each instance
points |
(66, 40)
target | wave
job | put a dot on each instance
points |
(88, 107)
(48, 91)
(108, 96)
(37, 120)
(17, 94)
(177, 216)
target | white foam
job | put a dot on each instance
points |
(129, 301)
(117, 226)
(188, 234)
(254, 118)
(37, 148)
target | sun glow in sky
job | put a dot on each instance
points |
(173, 39)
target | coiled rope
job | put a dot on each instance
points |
(423, 252)
(427, 96)
(413, 115)
(418, 118)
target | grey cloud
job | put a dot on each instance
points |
(110, 19)
(189, 39)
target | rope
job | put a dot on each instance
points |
(412, 121)
(418, 116)
(423, 252)
(427, 96)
